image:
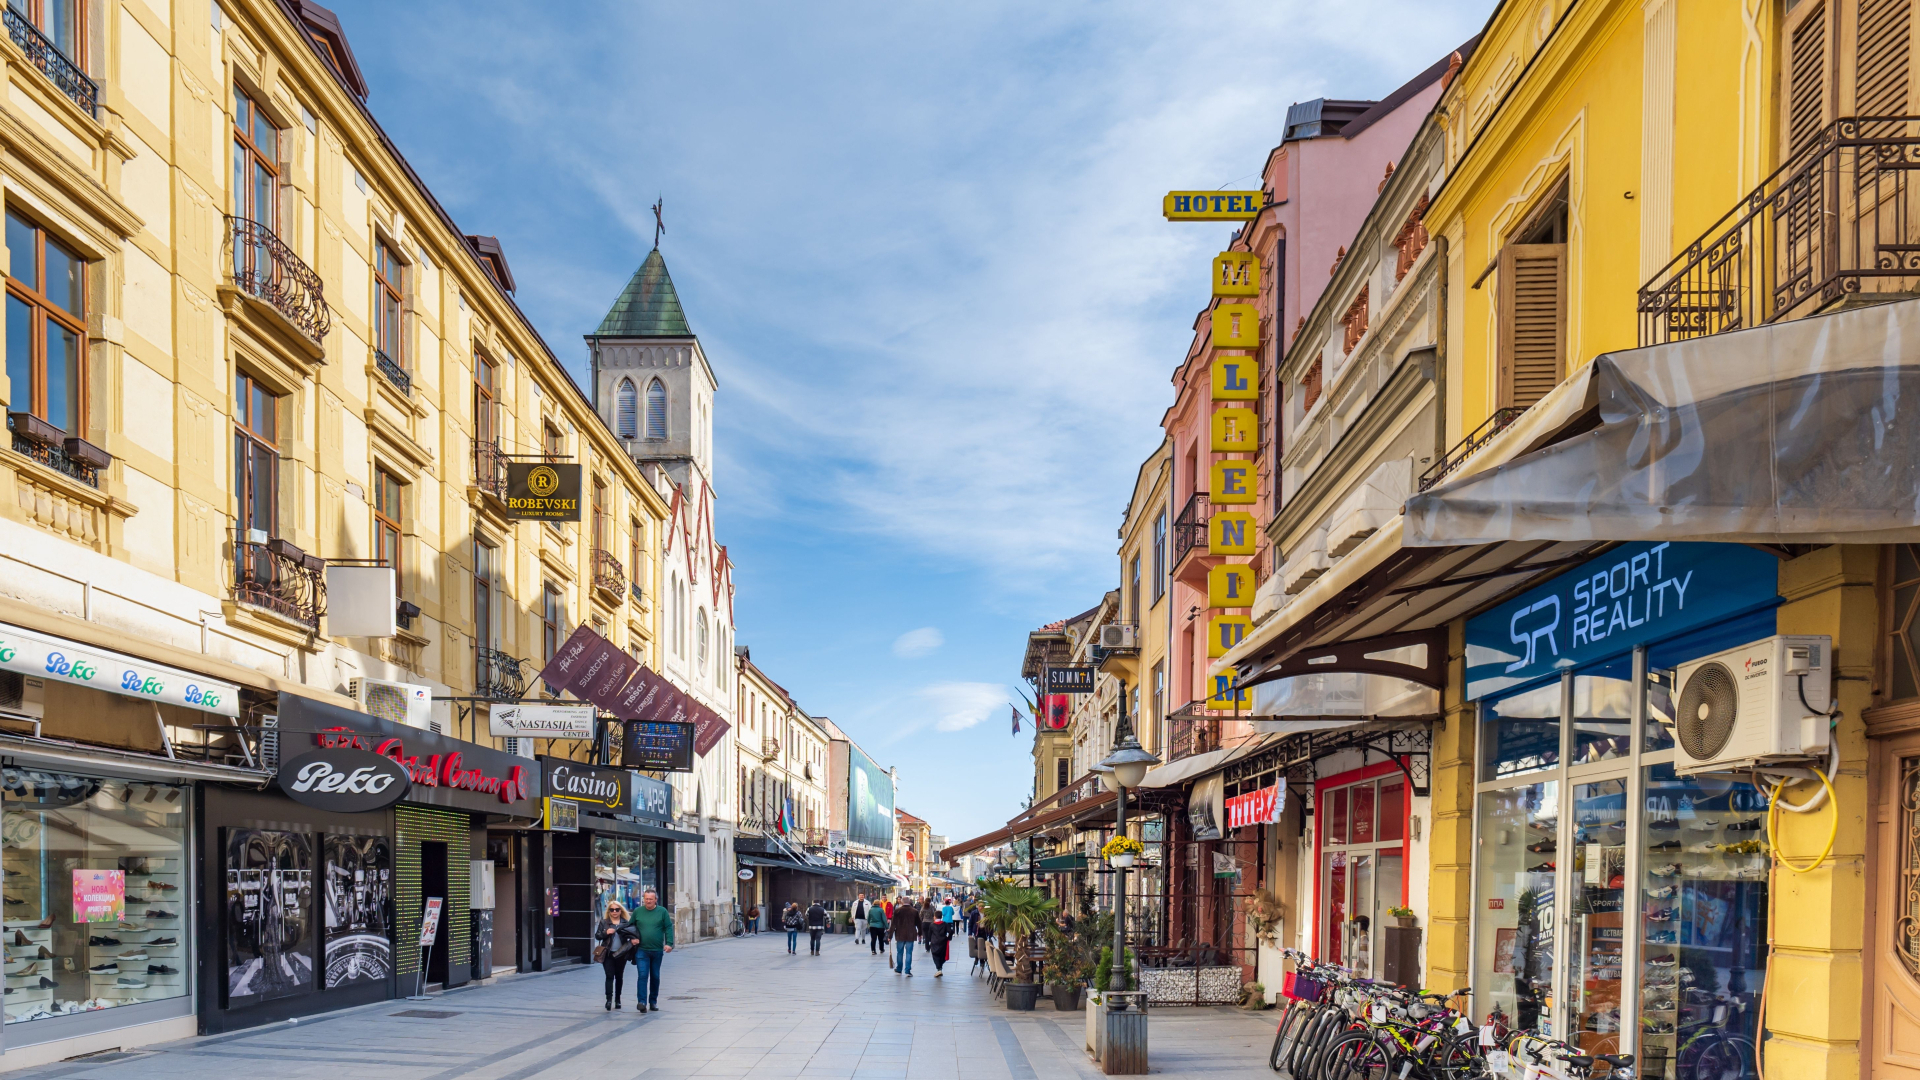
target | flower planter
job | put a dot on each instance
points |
(1096, 1023)
(1408, 921)
(1125, 1019)
(1121, 861)
(1022, 996)
(1066, 997)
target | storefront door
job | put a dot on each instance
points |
(1895, 1051)
(1362, 864)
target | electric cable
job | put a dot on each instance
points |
(1833, 830)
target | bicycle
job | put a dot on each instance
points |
(1356, 1028)
(1578, 1066)
(738, 927)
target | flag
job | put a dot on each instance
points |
(1016, 719)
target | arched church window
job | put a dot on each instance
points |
(627, 410)
(656, 410)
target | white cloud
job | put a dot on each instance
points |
(917, 643)
(957, 706)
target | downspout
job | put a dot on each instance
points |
(1440, 357)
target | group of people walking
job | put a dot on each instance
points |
(929, 923)
(643, 937)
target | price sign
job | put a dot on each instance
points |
(430, 922)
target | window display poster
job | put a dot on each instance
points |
(99, 896)
(357, 942)
(269, 917)
(1505, 939)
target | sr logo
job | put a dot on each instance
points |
(1542, 625)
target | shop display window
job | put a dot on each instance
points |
(1363, 869)
(96, 887)
(1603, 713)
(1521, 733)
(1516, 859)
(1703, 906)
(1596, 921)
(622, 870)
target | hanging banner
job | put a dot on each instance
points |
(1059, 712)
(1262, 807)
(1203, 808)
(543, 491)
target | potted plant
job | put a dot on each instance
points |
(1264, 912)
(1067, 967)
(1017, 913)
(1121, 851)
(1402, 916)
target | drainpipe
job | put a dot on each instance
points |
(1440, 358)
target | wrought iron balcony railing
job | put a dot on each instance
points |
(608, 575)
(1191, 731)
(769, 747)
(395, 374)
(1190, 527)
(276, 575)
(497, 675)
(490, 468)
(54, 64)
(1458, 454)
(268, 269)
(1838, 219)
(48, 445)
(634, 590)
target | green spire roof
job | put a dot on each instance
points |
(648, 306)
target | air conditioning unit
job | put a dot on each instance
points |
(1119, 636)
(1765, 702)
(398, 702)
(23, 695)
(519, 746)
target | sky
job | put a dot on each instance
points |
(922, 248)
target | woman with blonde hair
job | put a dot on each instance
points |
(614, 940)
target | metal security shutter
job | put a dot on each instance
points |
(1533, 321)
(417, 825)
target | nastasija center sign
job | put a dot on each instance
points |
(442, 771)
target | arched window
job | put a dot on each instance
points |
(627, 410)
(700, 639)
(656, 410)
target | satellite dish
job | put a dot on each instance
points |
(1709, 704)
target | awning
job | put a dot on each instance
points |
(783, 864)
(1802, 432)
(978, 843)
(622, 827)
(1062, 864)
(1199, 765)
(47, 657)
(60, 755)
(1092, 806)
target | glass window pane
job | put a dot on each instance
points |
(1362, 827)
(1393, 811)
(63, 378)
(1597, 923)
(240, 104)
(240, 478)
(266, 137)
(263, 204)
(1514, 904)
(263, 418)
(22, 238)
(66, 280)
(61, 26)
(1335, 932)
(19, 355)
(261, 488)
(1603, 712)
(1703, 902)
(1659, 733)
(1521, 733)
(1360, 923)
(1337, 816)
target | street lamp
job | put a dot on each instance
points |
(1124, 768)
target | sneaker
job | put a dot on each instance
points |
(1662, 914)
(161, 969)
(1660, 1005)
(162, 913)
(1746, 847)
(1663, 892)
(1662, 937)
(134, 955)
(1663, 824)
(163, 886)
(1543, 868)
(1656, 1027)
(107, 968)
(1749, 825)
(160, 941)
(98, 942)
(1703, 825)
(1668, 870)
(1708, 848)
(1665, 845)
(1663, 960)
(127, 926)
(129, 982)
(1544, 847)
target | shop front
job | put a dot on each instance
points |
(316, 888)
(1617, 903)
(619, 847)
(96, 841)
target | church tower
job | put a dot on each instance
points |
(651, 382)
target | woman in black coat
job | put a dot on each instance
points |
(617, 936)
(937, 933)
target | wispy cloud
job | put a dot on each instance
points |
(957, 706)
(917, 643)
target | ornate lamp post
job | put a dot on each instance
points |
(1124, 768)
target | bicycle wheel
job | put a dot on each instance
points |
(1357, 1055)
(739, 927)
(1283, 1037)
(1728, 1058)
(1459, 1058)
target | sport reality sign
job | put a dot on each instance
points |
(595, 669)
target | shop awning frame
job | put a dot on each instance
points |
(978, 843)
(58, 754)
(623, 827)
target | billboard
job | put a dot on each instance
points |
(869, 802)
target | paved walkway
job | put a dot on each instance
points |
(732, 1008)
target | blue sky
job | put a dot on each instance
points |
(922, 248)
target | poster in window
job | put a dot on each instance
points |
(1504, 940)
(269, 916)
(357, 920)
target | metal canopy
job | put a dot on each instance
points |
(1365, 657)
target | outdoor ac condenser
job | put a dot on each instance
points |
(1764, 702)
(1119, 636)
(402, 703)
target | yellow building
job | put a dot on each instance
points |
(1146, 613)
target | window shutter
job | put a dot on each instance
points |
(627, 411)
(1533, 321)
(656, 410)
(1881, 51)
(1807, 78)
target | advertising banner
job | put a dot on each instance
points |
(652, 799)
(1262, 807)
(589, 785)
(357, 912)
(430, 920)
(441, 770)
(869, 802)
(541, 721)
(99, 896)
(561, 815)
(268, 940)
(1069, 680)
(45, 657)
(543, 491)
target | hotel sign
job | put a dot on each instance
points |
(543, 491)
(1212, 205)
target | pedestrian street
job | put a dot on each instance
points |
(729, 1008)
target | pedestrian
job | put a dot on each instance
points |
(906, 931)
(653, 927)
(816, 926)
(947, 912)
(886, 934)
(982, 937)
(791, 923)
(753, 919)
(938, 933)
(877, 929)
(860, 919)
(928, 915)
(613, 940)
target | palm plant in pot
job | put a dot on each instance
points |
(1016, 912)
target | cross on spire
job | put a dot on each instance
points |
(659, 225)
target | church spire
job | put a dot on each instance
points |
(648, 306)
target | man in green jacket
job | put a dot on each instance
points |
(655, 926)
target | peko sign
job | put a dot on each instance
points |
(47, 657)
(441, 771)
(344, 780)
(1634, 595)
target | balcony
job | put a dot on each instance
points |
(609, 577)
(269, 271)
(490, 469)
(274, 575)
(54, 64)
(769, 747)
(1835, 223)
(394, 373)
(1190, 538)
(1191, 731)
(1458, 454)
(76, 459)
(497, 676)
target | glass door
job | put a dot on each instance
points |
(1595, 884)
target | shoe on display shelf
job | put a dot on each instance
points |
(103, 969)
(1665, 845)
(1749, 825)
(161, 969)
(1663, 892)
(1543, 868)
(1660, 914)
(1666, 871)
(1663, 824)
(134, 955)
(160, 941)
(130, 982)
(1662, 937)
(162, 913)
(102, 940)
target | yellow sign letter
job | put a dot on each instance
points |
(1230, 532)
(1230, 586)
(1236, 273)
(1235, 431)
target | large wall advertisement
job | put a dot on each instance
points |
(869, 802)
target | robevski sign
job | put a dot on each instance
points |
(543, 491)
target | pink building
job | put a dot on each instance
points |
(1321, 181)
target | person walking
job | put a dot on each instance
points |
(877, 929)
(906, 931)
(928, 916)
(791, 921)
(816, 927)
(653, 930)
(947, 912)
(860, 919)
(938, 932)
(982, 938)
(613, 940)
(886, 933)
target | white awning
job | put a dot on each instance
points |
(43, 656)
(1801, 432)
(1198, 765)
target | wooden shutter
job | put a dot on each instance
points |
(1882, 47)
(1533, 321)
(1807, 77)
